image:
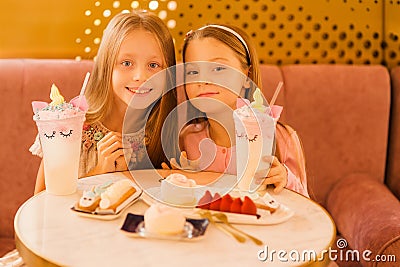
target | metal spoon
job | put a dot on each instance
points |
(223, 218)
(207, 215)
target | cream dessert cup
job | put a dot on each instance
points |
(177, 189)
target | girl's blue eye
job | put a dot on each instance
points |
(154, 65)
(219, 68)
(126, 63)
(192, 72)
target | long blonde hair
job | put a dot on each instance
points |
(99, 92)
(247, 55)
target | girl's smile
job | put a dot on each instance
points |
(139, 90)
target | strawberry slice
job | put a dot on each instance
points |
(204, 202)
(248, 206)
(226, 203)
(236, 205)
(216, 202)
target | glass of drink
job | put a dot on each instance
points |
(255, 133)
(60, 134)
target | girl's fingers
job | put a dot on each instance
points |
(174, 164)
(269, 159)
(120, 164)
(112, 148)
(275, 161)
(274, 171)
(109, 139)
(184, 160)
(108, 136)
(113, 156)
(279, 187)
(108, 163)
(165, 166)
(272, 180)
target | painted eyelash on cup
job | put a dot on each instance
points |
(253, 139)
(66, 134)
(247, 138)
(51, 136)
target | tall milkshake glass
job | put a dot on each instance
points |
(60, 134)
(255, 131)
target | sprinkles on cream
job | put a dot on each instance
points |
(58, 108)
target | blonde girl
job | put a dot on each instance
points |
(135, 46)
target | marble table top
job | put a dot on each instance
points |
(48, 229)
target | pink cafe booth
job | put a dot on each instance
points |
(342, 114)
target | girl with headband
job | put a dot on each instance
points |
(229, 47)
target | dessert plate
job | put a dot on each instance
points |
(280, 215)
(134, 227)
(263, 217)
(153, 194)
(110, 214)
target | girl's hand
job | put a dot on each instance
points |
(277, 175)
(110, 154)
(186, 164)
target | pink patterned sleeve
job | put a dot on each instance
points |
(292, 157)
(295, 184)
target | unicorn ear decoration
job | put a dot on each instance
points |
(80, 102)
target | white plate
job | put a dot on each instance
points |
(281, 214)
(153, 194)
(110, 215)
(134, 227)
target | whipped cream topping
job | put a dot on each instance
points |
(55, 96)
(258, 101)
(57, 109)
(254, 110)
(180, 180)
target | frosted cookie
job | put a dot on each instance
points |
(90, 199)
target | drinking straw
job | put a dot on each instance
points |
(275, 96)
(83, 89)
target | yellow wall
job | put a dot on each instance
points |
(284, 31)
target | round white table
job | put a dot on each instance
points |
(49, 233)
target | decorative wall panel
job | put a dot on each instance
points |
(284, 31)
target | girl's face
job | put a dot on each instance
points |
(139, 58)
(223, 78)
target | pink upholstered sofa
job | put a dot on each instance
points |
(341, 112)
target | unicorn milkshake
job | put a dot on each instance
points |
(60, 132)
(255, 131)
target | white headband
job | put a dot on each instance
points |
(237, 35)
